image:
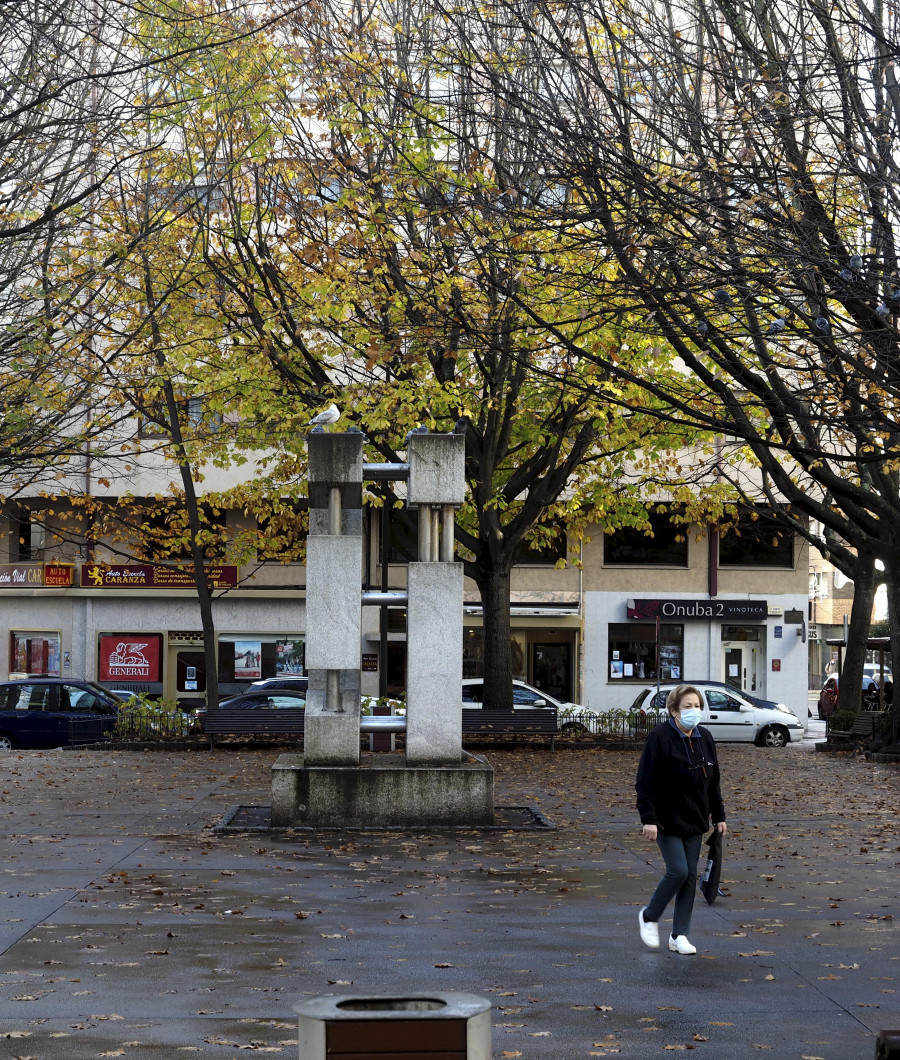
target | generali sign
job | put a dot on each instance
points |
(130, 657)
(36, 575)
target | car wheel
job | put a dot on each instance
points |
(574, 728)
(774, 736)
(6, 743)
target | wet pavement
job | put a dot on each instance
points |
(130, 927)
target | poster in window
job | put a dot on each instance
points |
(130, 657)
(616, 668)
(247, 659)
(290, 656)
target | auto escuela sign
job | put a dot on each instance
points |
(36, 575)
(677, 610)
(149, 576)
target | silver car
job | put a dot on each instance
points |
(731, 716)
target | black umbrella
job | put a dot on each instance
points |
(709, 880)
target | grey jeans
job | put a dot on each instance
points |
(679, 882)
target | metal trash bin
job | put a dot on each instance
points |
(454, 1025)
(887, 1045)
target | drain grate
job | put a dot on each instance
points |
(506, 819)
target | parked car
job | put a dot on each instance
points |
(260, 699)
(873, 670)
(36, 712)
(730, 715)
(293, 682)
(525, 697)
(828, 697)
(757, 701)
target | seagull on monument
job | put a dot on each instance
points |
(330, 415)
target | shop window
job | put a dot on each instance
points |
(473, 654)
(162, 535)
(283, 533)
(195, 415)
(34, 653)
(635, 655)
(662, 544)
(249, 658)
(26, 537)
(539, 550)
(756, 541)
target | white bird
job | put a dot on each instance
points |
(330, 415)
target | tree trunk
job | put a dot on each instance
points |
(192, 507)
(850, 687)
(204, 594)
(893, 602)
(493, 584)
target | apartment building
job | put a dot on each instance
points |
(680, 604)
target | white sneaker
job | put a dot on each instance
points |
(649, 931)
(681, 945)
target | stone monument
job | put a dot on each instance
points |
(435, 783)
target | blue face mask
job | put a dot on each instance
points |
(689, 718)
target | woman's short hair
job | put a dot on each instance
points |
(674, 698)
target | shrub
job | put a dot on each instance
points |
(841, 720)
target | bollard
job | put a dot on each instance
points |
(455, 1026)
(887, 1045)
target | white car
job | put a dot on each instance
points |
(731, 716)
(873, 670)
(525, 697)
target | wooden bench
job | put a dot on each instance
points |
(864, 724)
(224, 722)
(505, 724)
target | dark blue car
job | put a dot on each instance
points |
(40, 712)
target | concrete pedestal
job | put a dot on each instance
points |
(382, 792)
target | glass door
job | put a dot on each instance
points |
(743, 657)
(553, 670)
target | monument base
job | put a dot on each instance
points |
(382, 792)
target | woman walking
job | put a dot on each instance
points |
(678, 793)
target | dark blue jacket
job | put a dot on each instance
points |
(678, 782)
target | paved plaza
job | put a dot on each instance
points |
(131, 928)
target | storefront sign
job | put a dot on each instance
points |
(148, 576)
(130, 657)
(370, 662)
(36, 575)
(676, 610)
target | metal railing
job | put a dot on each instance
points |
(626, 725)
(149, 723)
(89, 730)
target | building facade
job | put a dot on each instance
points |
(677, 605)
